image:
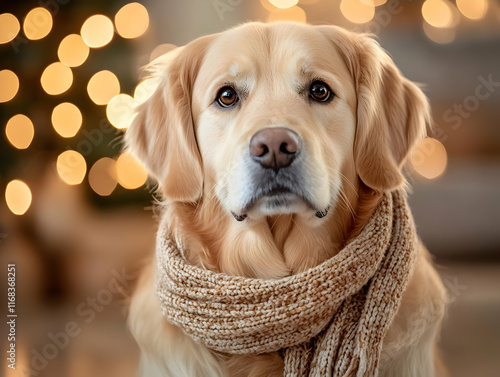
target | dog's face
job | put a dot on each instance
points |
(278, 118)
(275, 117)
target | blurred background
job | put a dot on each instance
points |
(76, 215)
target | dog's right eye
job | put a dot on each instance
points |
(227, 97)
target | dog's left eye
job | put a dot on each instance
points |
(320, 92)
(227, 97)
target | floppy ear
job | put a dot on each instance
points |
(392, 112)
(162, 133)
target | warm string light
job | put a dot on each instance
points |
(73, 51)
(103, 177)
(375, 3)
(10, 85)
(37, 24)
(357, 11)
(294, 13)
(437, 13)
(132, 20)
(56, 78)
(284, 4)
(18, 197)
(66, 119)
(429, 158)
(473, 9)
(120, 110)
(20, 131)
(9, 27)
(103, 86)
(97, 31)
(71, 167)
(130, 172)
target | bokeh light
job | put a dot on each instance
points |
(102, 176)
(473, 9)
(10, 85)
(18, 197)
(161, 50)
(103, 86)
(132, 20)
(71, 167)
(20, 131)
(145, 89)
(66, 119)
(37, 24)
(357, 11)
(97, 31)
(430, 158)
(120, 110)
(130, 172)
(56, 78)
(9, 27)
(295, 14)
(375, 3)
(73, 51)
(284, 4)
(439, 35)
(437, 13)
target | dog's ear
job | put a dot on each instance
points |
(392, 112)
(162, 134)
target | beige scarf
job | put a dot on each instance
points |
(327, 321)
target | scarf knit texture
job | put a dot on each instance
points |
(329, 320)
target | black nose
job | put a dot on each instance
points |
(274, 148)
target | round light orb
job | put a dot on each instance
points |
(357, 11)
(37, 23)
(9, 27)
(132, 20)
(71, 167)
(294, 14)
(56, 78)
(66, 119)
(120, 110)
(284, 4)
(103, 86)
(102, 176)
(20, 131)
(73, 51)
(131, 173)
(18, 197)
(430, 158)
(97, 31)
(10, 85)
(437, 13)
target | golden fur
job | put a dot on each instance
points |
(355, 149)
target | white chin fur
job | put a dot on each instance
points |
(271, 206)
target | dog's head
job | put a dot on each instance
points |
(277, 118)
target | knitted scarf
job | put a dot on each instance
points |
(327, 321)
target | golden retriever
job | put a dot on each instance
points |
(272, 144)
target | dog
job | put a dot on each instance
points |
(269, 140)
